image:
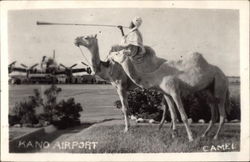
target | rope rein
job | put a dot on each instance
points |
(84, 56)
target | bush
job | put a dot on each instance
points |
(24, 111)
(66, 114)
(235, 108)
(50, 101)
(148, 104)
(63, 114)
(143, 103)
(196, 106)
(13, 119)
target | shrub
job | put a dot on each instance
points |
(196, 106)
(50, 101)
(235, 108)
(149, 104)
(66, 114)
(13, 119)
(143, 103)
(24, 111)
(63, 114)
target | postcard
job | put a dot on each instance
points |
(124, 80)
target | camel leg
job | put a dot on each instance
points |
(163, 117)
(173, 115)
(222, 117)
(123, 97)
(212, 121)
(170, 86)
(177, 99)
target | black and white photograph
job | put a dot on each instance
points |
(132, 79)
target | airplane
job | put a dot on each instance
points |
(49, 69)
(12, 68)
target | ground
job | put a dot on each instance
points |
(108, 137)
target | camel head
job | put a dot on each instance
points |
(89, 41)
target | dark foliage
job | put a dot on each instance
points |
(235, 108)
(51, 101)
(63, 114)
(24, 111)
(13, 119)
(66, 114)
(149, 104)
(145, 103)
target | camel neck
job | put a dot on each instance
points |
(95, 58)
(100, 68)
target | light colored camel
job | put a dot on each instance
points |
(189, 75)
(110, 71)
(172, 78)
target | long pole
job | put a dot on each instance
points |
(50, 23)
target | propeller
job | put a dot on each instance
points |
(32, 67)
(84, 63)
(88, 70)
(43, 58)
(73, 66)
(67, 67)
(25, 66)
(63, 66)
(12, 64)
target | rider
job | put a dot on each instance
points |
(132, 42)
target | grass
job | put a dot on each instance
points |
(16, 132)
(146, 139)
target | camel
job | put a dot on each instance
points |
(110, 71)
(192, 74)
(189, 75)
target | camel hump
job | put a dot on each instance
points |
(196, 59)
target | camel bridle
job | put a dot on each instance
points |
(84, 56)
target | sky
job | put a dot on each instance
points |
(170, 32)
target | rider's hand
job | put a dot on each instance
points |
(120, 27)
(76, 42)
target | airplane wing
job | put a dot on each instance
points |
(79, 70)
(73, 71)
(60, 72)
(36, 71)
(18, 69)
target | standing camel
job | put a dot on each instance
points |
(113, 72)
(190, 75)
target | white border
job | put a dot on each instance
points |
(242, 6)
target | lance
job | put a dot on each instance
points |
(50, 23)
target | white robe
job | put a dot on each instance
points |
(134, 37)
